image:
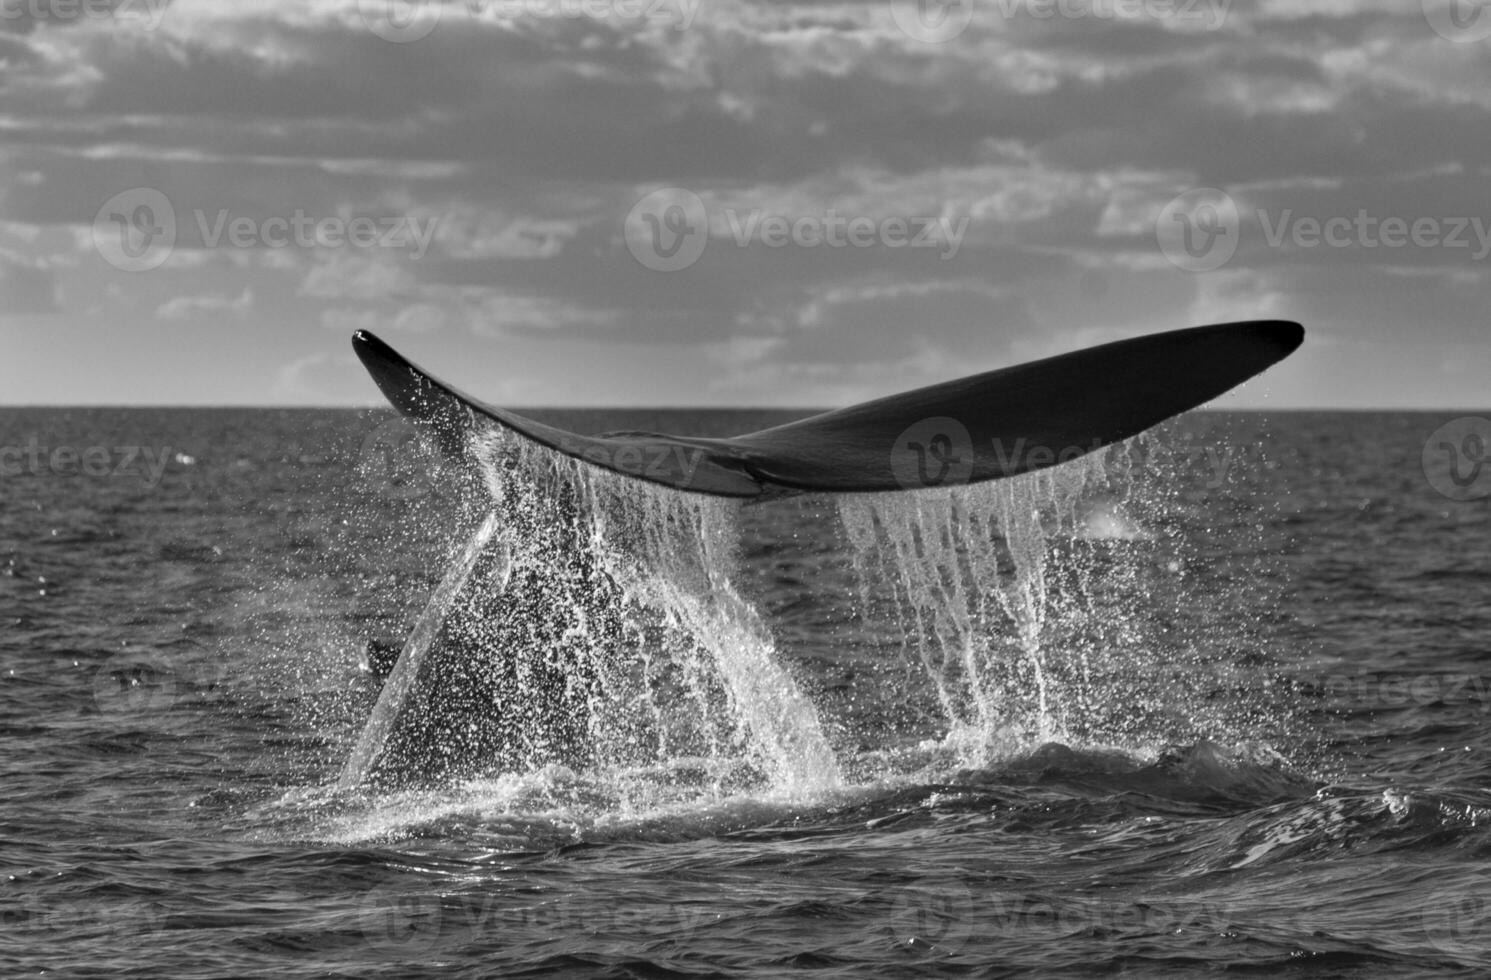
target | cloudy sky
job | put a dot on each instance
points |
(734, 202)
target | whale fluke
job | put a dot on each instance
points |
(983, 427)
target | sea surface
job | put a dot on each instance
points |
(1215, 702)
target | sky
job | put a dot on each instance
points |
(734, 202)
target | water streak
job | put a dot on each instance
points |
(401, 680)
(607, 635)
(994, 587)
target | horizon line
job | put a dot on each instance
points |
(372, 406)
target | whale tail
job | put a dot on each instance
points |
(983, 427)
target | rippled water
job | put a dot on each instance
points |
(1238, 721)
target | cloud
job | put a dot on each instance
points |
(526, 140)
(321, 377)
(349, 321)
(206, 307)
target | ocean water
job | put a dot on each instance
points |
(1215, 702)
